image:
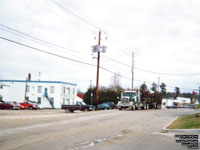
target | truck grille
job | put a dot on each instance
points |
(125, 100)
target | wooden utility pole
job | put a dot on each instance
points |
(158, 84)
(98, 61)
(132, 69)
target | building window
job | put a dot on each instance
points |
(39, 100)
(68, 89)
(27, 98)
(27, 88)
(68, 100)
(63, 89)
(73, 91)
(52, 89)
(39, 89)
(63, 101)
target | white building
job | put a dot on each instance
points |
(48, 93)
(179, 102)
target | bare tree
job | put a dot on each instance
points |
(115, 82)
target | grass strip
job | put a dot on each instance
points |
(198, 106)
(186, 122)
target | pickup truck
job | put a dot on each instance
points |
(79, 106)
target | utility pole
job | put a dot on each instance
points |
(132, 69)
(98, 48)
(98, 61)
(25, 89)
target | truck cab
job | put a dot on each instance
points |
(131, 100)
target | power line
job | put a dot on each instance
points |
(84, 20)
(46, 43)
(30, 37)
(37, 49)
(43, 51)
(43, 43)
(59, 16)
(77, 16)
(170, 74)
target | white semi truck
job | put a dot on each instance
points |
(139, 100)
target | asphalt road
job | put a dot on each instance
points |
(99, 130)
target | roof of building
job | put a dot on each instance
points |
(80, 95)
(35, 81)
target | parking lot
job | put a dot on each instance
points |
(107, 129)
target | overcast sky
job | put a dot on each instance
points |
(164, 35)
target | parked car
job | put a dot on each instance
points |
(192, 106)
(103, 107)
(9, 105)
(5, 105)
(111, 104)
(37, 105)
(28, 105)
(16, 105)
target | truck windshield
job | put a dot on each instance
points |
(129, 94)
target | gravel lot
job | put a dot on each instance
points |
(110, 129)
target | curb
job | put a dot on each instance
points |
(179, 130)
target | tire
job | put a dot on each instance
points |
(30, 108)
(85, 110)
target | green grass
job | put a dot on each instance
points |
(186, 122)
(197, 106)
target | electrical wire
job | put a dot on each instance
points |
(43, 42)
(40, 50)
(77, 16)
(59, 16)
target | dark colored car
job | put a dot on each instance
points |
(192, 106)
(111, 104)
(9, 105)
(5, 105)
(103, 107)
(82, 106)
